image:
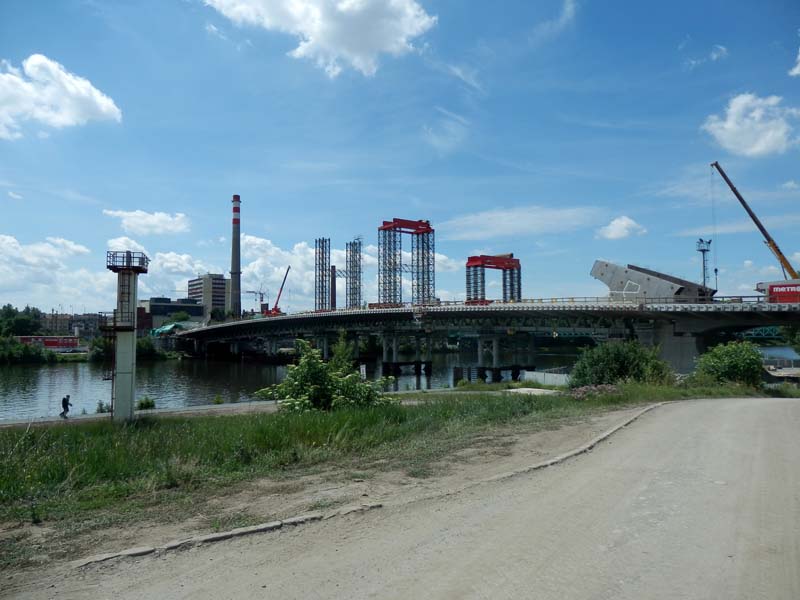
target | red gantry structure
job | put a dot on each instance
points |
(390, 262)
(476, 277)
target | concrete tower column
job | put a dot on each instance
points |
(236, 264)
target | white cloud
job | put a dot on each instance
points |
(44, 91)
(145, 223)
(717, 53)
(15, 195)
(449, 132)
(466, 74)
(125, 243)
(446, 264)
(753, 126)
(333, 33)
(743, 225)
(66, 246)
(748, 264)
(552, 27)
(790, 185)
(504, 222)
(44, 273)
(795, 71)
(214, 30)
(620, 228)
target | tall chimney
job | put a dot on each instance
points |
(236, 263)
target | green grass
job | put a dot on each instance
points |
(72, 357)
(93, 475)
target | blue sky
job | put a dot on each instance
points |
(560, 130)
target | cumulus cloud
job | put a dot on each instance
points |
(790, 185)
(795, 71)
(44, 273)
(144, 223)
(620, 228)
(45, 92)
(552, 27)
(125, 243)
(333, 33)
(753, 126)
(522, 220)
(14, 195)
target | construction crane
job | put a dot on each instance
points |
(789, 271)
(258, 296)
(275, 311)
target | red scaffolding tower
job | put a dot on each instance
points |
(476, 277)
(390, 262)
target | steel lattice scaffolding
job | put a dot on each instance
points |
(322, 274)
(390, 267)
(476, 277)
(423, 273)
(353, 274)
(390, 262)
(476, 283)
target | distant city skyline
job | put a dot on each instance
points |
(563, 131)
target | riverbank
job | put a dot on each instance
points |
(67, 482)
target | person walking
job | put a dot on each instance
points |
(65, 404)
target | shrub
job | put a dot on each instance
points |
(145, 403)
(735, 361)
(312, 384)
(101, 349)
(103, 407)
(617, 362)
(14, 352)
(218, 400)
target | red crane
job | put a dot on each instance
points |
(275, 311)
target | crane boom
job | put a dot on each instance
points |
(771, 244)
(280, 291)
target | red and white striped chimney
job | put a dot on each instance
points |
(236, 263)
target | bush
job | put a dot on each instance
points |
(14, 352)
(145, 403)
(103, 407)
(614, 362)
(101, 349)
(312, 384)
(735, 361)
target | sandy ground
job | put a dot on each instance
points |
(694, 500)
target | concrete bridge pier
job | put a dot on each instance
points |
(496, 375)
(680, 349)
(395, 352)
(385, 344)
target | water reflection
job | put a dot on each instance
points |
(36, 391)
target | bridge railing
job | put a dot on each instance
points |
(695, 304)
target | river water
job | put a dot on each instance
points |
(31, 391)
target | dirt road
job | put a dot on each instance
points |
(695, 500)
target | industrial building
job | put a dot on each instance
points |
(161, 310)
(211, 290)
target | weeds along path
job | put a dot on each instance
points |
(403, 472)
(696, 499)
